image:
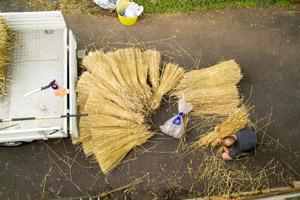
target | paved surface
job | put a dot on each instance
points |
(266, 44)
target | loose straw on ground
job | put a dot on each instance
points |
(232, 182)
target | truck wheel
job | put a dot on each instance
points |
(10, 144)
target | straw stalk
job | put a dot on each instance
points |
(211, 90)
(236, 121)
(5, 44)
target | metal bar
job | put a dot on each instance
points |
(46, 117)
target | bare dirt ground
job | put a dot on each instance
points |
(266, 44)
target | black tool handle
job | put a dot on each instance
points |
(78, 115)
(45, 87)
(46, 117)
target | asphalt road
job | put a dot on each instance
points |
(266, 44)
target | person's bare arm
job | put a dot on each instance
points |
(225, 155)
(217, 128)
(219, 139)
(226, 150)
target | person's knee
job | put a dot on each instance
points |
(225, 156)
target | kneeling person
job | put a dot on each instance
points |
(242, 141)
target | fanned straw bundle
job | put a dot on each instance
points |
(211, 90)
(236, 121)
(4, 53)
(170, 77)
(115, 94)
(114, 91)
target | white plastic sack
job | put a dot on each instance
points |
(133, 10)
(108, 4)
(175, 126)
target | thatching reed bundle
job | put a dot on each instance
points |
(219, 74)
(170, 77)
(115, 93)
(5, 44)
(236, 121)
(107, 121)
(86, 142)
(113, 143)
(88, 83)
(219, 100)
(153, 59)
(102, 121)
(110, 108)
(128, 59)
(126, 64)
(112, 60)
(119, 89)
(211, 90)
(142, 72)
(97, 64)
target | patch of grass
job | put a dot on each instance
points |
(161, 6)
(174, 6)
(284, 4)
(86, 7)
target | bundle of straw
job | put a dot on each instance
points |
(211, 90)
(5, 44)
(88, 83)
(115, 94)
(112, 144)
(142, 72)
(152, 60)
(97, 64)
(171, 76)
(127, 66)
(96, 103)
(219, 100)
(236, 121)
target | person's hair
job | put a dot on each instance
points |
(228, 138)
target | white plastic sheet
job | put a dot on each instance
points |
(108, 4)
(133, 10)
(174, 127)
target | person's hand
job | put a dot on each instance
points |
(225, 156)
(219, 140)
(217, 128)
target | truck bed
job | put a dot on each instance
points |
(37, 60)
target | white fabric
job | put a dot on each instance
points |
(174, 127)
(108, 4)
(133, 10)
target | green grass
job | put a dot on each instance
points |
(162, 6)
(174, 6)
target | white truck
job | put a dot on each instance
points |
(45, 50)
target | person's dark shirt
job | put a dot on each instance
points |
(246, 141)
